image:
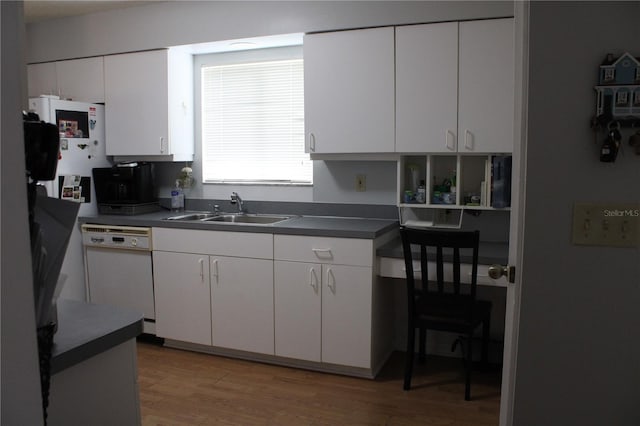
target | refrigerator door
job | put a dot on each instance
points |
(82, 147)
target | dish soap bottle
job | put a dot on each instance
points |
(177, 198)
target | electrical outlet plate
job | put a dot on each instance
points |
(361, 183)
(607, 225)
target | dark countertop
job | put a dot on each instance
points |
(86, 330)
(324, 226)
(489, 253)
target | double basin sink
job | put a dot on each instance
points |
(245, 218)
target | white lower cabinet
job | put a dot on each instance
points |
(182, 295)
(242, 303)
(346, 315)
(298, 304)
(323, 311)
(306, 299)
(211, 299)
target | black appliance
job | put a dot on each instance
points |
(126, 189)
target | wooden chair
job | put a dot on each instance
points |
(443, 305)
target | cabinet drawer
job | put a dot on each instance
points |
(221, 243)
(344, 251)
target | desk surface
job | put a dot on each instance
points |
(489, 253)
(391, 261)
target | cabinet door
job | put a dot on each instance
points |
(346, 315)
(182, 295)
(427, 87)
(486, 86)
(242, 303)
(136, 103)
(297, 301)
(41, 79)
(81, 79)
(349, 91)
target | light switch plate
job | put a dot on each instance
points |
(604, 224)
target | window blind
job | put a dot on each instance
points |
(253, 123)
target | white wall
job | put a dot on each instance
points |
(173, 23)
(578, 353)
(185, 22)
(20, 380)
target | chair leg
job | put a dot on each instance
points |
(486, 327)
(408, 364)
(422, 345)
(469, 363)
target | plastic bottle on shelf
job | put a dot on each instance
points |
(177, 198)
(421, 195)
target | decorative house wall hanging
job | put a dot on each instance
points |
(619, 89)
(618, 103)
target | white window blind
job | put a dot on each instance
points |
(253, 123)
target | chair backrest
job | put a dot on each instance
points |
(446, 246)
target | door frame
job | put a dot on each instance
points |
(518, 198)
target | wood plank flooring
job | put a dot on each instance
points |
(187, 388)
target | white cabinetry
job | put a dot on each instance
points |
(242, 303)
(455, 87)
(41, 79)
(76, 79)
(149, 105)
(486, 86)
(323, 300)
(349, 91)
(427, 87)
(182, 296)
(220, 282)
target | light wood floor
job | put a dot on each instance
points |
(186, 388)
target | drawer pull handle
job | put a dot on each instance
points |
(468, 140)
(323, 253)
(312, 142)
(331, 281)
(201, 262)
(450, 137)
(313, 280)
(214, 273)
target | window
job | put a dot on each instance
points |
(622, 98)
(609, 74)
(252, 117)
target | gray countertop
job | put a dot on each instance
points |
(86, 330)
(346, 227)
(324, 226)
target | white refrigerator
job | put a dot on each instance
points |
(82, 147)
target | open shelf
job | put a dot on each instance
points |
(453, 183)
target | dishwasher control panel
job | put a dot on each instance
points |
(124, 237)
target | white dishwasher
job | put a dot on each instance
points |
(119, 268)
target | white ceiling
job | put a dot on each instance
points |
(42, 10)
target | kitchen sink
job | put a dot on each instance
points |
(264, 219)
(193, 216)
(247, 218)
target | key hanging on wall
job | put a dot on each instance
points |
(611, 145)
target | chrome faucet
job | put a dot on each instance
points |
(235, 199)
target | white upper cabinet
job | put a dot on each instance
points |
(77, 79)
(455, 87)
(41, 79)
(349, 91)
(149, 105)
(486, 86)
(427, 87)
(81, 79)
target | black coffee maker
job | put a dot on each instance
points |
(126, 188)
